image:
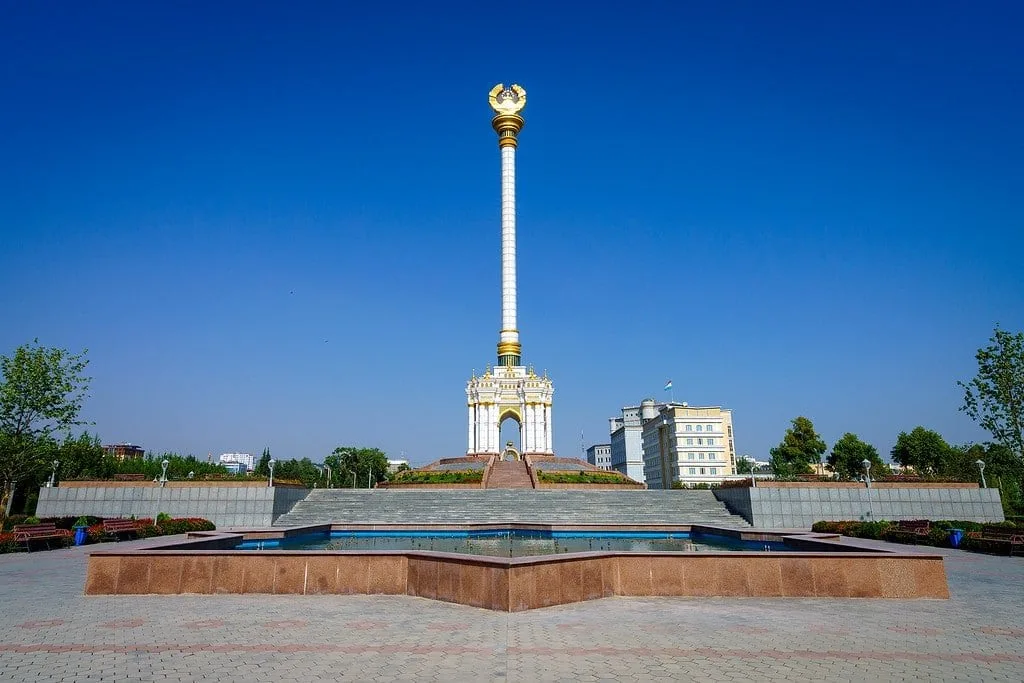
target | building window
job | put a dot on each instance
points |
(689, 428)
(689, 442)
(699, 427)
(714, 470)
(702, 470)
(701, 455)
(693, 470)
(711, 428)
(711, 442)
(689, 456)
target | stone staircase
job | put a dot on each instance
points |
(504, 505)
(509, 475)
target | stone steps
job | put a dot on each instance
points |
(497, 506)
(509, 475)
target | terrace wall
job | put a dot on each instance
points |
(798, 507)
(224, 505)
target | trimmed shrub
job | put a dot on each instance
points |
(439, 477)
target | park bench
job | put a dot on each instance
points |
(910, 531)
(116, 527)
(999, 538)
(26, 533)
(130, 477)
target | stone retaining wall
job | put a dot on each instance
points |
(799, 507)
(223, 505)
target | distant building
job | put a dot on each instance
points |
(234, 467)
(626, 448)
(393, 465)
(688, 444)
(125, 451)
(600, 455)
(245, 459)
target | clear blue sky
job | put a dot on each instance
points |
(277, 224)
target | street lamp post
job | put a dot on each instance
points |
(866, 464)
(981, 468)
(271, 464)
(53, 474)
(369, 478)
(163, 473)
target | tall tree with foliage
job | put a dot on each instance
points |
(263, 466)
(848, 456)
(995, 397)
(370, 465)
(922, 449)
(800, 448)
(41, 393)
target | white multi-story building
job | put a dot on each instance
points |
(240, 458)
(600, 455)
(688, 444)
(626, 447)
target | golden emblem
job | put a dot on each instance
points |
(510, 100)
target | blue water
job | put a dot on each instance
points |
(513, 542)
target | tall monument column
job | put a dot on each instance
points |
(507, 103)
(510, 391)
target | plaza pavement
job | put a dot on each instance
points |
(51, 632)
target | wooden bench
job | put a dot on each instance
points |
(910, 531)
(116, 527)
(26, 533)
(998, 537)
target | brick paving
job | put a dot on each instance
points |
(51, 632)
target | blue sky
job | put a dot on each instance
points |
(277, 224)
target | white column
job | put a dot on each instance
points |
(509, 331)
(493, 428)
(471, 431)
(548, 447)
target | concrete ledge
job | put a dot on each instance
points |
(201, 564)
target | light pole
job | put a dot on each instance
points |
(353, 473)
(981, 468)
(163, 474)
(271, 464)
(866, 464)
(328, 468)
(53, 474)
(369, 478)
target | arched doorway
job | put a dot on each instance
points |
(510, 431)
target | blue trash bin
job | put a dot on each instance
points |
(955, 536)
(80, 535)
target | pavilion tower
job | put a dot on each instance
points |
(510, 390)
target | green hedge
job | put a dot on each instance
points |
(439, 477)
(581, 477)
(938, 533)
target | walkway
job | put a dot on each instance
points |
(51, 632)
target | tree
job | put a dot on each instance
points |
(995, 397)
(800, 447)
(922, 449)
(82, 457)
(263, 466)
(366, 463)
(744, 464)
(41, 392)
(848, 455)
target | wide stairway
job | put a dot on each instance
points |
(509, 475)
(500, 506)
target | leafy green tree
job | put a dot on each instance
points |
(848, 455)
(82, 457)
(800, 448)
(41, 393)
(995, 397)
(263, 466)
(744, 464)
(922, 449)
(368, 464)
(303, 471)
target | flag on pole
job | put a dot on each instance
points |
(668, 385)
